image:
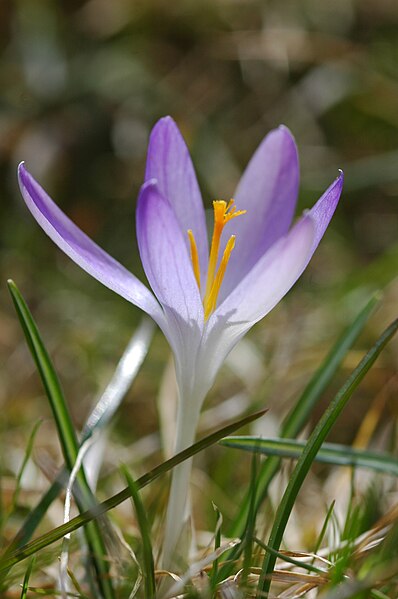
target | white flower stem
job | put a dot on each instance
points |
(177, 509)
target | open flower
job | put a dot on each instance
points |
(204, 301)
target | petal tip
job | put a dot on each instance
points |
(25, 179)
(164, 123)
(325, 207)
(285, 131)
(22, 171)
(338, 182)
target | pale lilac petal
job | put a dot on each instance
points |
(87, 254)
(268, 191)
(165, 257)
(271, 277)
(169, 162)
(279, 268)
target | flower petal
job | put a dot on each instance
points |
(169, 162)
(279, 268)
(87, 254)
(268, 281)
(271, 277)
(164, 255)
(323, 210)
(268, 191)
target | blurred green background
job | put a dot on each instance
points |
(83, 82)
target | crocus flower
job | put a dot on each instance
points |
(204, 301)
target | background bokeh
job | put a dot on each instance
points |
(81, 85)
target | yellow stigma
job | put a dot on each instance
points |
(223, 213)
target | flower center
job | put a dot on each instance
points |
(223, 213)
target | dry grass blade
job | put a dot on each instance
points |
(292, 577)
(197, 567)
(297, 591)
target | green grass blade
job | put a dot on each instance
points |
(100, 416)
(296, 420)
(36, 515)
(48, 376)
(11, 558)
(325, 525)
(28, 452)
(376, 594)
(330, 453)
(66, 434)
(289, 559)
(312, 447)
(250, 524)
(298, 416)
(25, 584)
(145, 530)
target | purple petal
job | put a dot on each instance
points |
(323, 210)
(87, 254)
(280, 267)
(169, 162)
(268, 191)
(165, 256)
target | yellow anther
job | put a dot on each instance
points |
(223, 213)
(218, 279)
(194, 256)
